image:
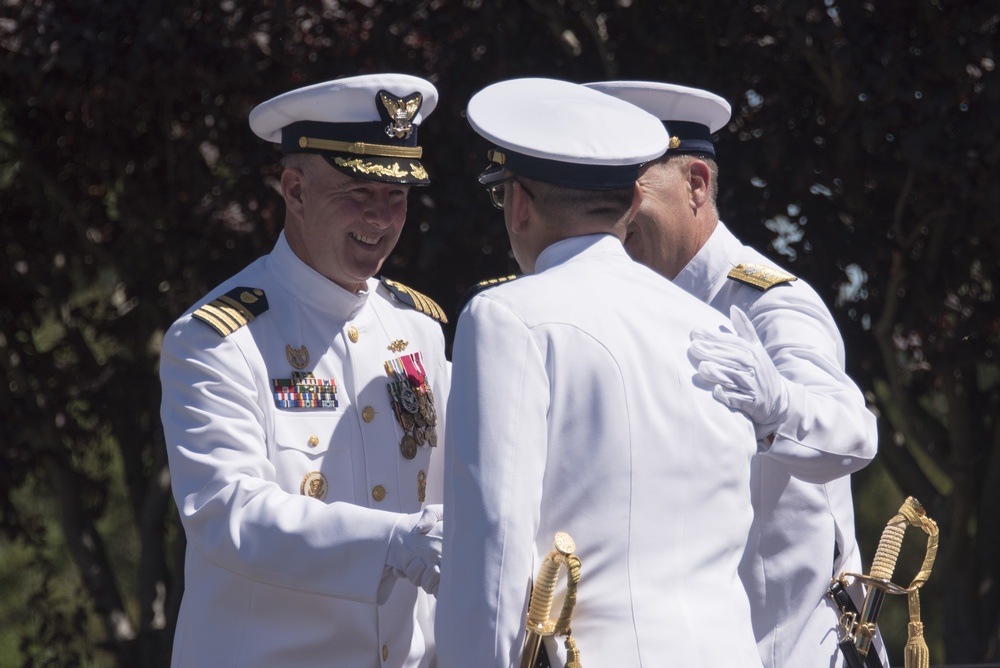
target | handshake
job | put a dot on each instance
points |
(414, 551)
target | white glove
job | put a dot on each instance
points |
(743, 375)
(414, 551)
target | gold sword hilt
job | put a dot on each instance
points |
(538, 624)
(911, 513)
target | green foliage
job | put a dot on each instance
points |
(862, 154)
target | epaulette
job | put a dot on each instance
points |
(479, 287)
(760, 276)
(412, 298)
(232, 310)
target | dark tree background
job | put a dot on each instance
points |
(862, 155)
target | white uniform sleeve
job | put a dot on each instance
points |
(494, 468)
(829, 431)
(224, 485)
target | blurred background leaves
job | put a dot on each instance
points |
(862, 155)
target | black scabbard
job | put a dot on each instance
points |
(845, 604)
(542, 661)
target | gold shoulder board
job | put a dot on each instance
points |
(479, 287)
(232, 310)
(412, 298)
(760, 276)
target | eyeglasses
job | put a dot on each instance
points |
(498, 190)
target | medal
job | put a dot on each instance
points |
(408, 446)
(409, 398)
(412, 402)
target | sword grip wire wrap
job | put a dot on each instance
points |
(887, 552)
(538, 623)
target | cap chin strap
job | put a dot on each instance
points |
(361, 148)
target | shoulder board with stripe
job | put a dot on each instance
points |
(760, 276)
(479, 287)
(232, 310)
(420, 302)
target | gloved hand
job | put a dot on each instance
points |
(742, 372)
(414, 551)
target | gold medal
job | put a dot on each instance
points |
(408, 446)
(432, 436)
(420, 435)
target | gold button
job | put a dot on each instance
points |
(385, 652)
(378, 492)
(313, 441)
(352, 334)
(368, 414)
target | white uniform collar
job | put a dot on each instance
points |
(311, 287)
(564, 250)
(710, 264)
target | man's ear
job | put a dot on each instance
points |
(637, 196)
(700, 179)
(521, 205)
(292, 182)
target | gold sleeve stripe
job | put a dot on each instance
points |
(232, 303)
(227, 313)
(230, 316)
(216, 324)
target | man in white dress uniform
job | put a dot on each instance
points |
(574, 409)
(784, 368)
(303, 408)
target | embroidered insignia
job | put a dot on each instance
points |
(401, 112)
(413, 403)
(314, 485)
(420, 302)
(232, 310)
(297, 357)
(303, 390)
(479, 287)
(419, 172)
(398, 346)
(359, 165)
(760, 276)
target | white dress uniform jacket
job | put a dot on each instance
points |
(573, 409)
(274, 576)
(801, 486)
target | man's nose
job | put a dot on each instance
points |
(379, 211)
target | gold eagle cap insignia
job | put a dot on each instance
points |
(401, 112)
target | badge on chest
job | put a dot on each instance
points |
(303, 389)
